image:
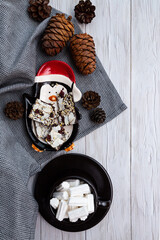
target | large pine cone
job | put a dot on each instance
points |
(98, 115)
(83, 52)
(90, 100)
(14, 110)
(39, 9)
(85, 11)
(57, 33)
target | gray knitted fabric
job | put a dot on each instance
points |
(20, 58)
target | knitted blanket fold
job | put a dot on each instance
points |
(20, 58)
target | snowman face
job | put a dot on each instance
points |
(49, 93)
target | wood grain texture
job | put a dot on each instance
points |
(145, 120)
(110, 145)
(38, 228)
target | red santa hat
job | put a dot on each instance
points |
(61, 72)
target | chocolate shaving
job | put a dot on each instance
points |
(61, 94)
(49, 138)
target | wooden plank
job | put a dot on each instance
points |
(145, 119)
(38, 228)
(64, 6)
(73, 236)
(110, 145)
(38, 223)
(47, 231)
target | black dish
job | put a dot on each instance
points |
(29, 101)
(74, 166)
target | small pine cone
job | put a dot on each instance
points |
(85, 11)
(90, 100)
(98, 115)
(39, 9)
(14, 110)
(83, 52)
(57, 33)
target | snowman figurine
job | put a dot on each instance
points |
(54, 78)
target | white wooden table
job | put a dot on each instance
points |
(127, 37)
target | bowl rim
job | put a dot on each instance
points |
(110, 186)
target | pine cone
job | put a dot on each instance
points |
(57, 33)
(90, 100)
(83, 52)
(14, 110)
(98, 115)
(39, 9)
(85, 11)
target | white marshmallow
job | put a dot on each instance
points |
(71, 208)
(78, 213)
(62, 209)
(90, 205)
(66, 215)
(83, 218)
(74, 220)
(81, 189)
(80, 195)
(61, 195)
(73, 182)
(54, 202)
(63, 186)
(73, 200)
(77, 201)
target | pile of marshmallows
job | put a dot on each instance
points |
(73, 200)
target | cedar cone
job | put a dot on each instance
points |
(85, 11)
(83, 52)
(98, 115)
(90, 100)
(39, 9)
(14, 110)
(57, 33)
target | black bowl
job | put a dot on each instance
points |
(74, 166)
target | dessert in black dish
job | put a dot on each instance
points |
(29, 101)
(74, 166)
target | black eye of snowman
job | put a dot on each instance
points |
(49, 92)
